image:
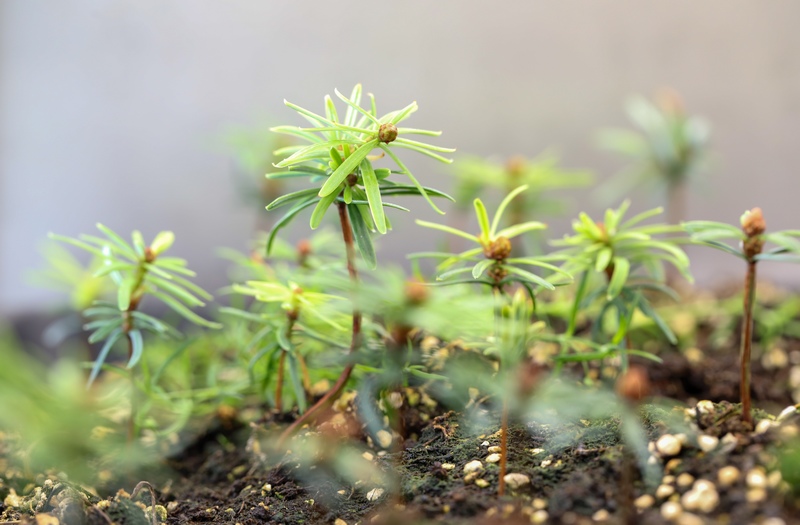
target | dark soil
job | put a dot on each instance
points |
(579, 471)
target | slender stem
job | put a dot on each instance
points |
(134, 401)
(747, 339)
(676, 212)
(333, 393)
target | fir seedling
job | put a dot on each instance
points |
(542, 175)
(137, 270)
(631, 258)
(667, 148)
(338, 159)
(752, 238)
(277, 335)
(491, 264)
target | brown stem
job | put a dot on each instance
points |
(501, 487)
(747, 339)
(134, 402)
(333, 393)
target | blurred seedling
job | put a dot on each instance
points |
(137, 271)
(543, 175)
(631, 258)
(491, 264)
(339, 163)
(666, 149)
(752, 238)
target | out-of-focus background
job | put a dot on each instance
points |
(116, 110)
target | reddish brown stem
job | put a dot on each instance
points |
(501, 487)
(747, 339)
(333, 393)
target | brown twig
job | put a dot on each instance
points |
(336, 390)
(146, 485)
(747, 340)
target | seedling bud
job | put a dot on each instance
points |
(498, 249)
(634, 384)
(387, 132)
(303, 250)
(352, 179)
(497, 273)
(515, 165)
(149, 254)
(753, 222)
(670, 101)
(416, 292)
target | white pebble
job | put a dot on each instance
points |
(756, 495)
(374, 494)
(668, 445)
(707, 443)
(786, 413)
(690, 519)
(448, 466)
(671, 510)
(664, 491)
(601, 515)
(684, 480)
(705, 406)
(492, 458)
(384, 438)
(473, 466)
(763, 426)
(727, 476)
(756, 479)
(515, 480)
(644, 502)
(540, 516)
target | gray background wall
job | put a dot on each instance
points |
(112, 110)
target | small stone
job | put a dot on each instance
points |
(705, 407)
(601, 515)
(485, 444)
(384, 438)
(367, 456)
(668, 479)
(763, 426)
(756, 495)
(473, 466)
(395, 399)
(682, 438)
(668, 445)
(707, 443)
(515, 480)
(664, 491)
(546, 463)
(774, 478)
(46, 519)
(774, 359)
(448, 466)
(786, 413)
(684, 480)
(374, 494)
(482, 483)
(703, 500)
(495, 449)
(773, 521)
(540, 516)
(492, 458)
(339, 521)
(756, 478)
(472, 476)
(536, 451)
(672, 465)
(687, 518)
(539, 503)
(703, 485)
(644, 502)
(727, 476)
(671, 510)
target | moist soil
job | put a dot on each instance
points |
(577, 471)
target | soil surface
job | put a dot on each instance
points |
(574, 471)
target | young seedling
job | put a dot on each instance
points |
(491, 264)
(137, 270)
(543, 175)
(666, 150)
(631, 258)
(752, 238)
(276, 333)
(339, 160)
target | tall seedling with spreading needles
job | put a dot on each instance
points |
(339, 161)
(752, 237)
(137, 270)
(491, 264)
